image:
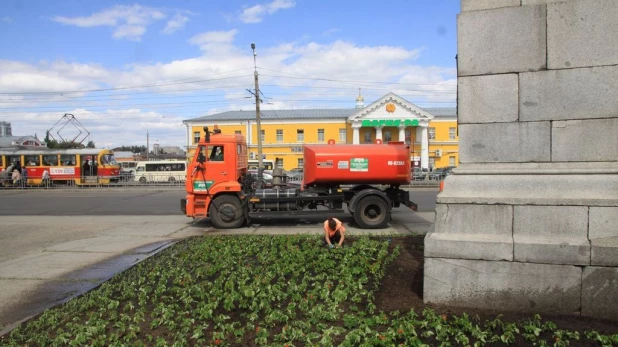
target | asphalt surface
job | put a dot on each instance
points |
(55, 245)
(136, 201)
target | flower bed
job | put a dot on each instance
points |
(266, 290)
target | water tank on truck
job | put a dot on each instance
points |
(357, 164)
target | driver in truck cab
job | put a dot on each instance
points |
(334, 232)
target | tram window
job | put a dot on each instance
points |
(32, 160)
(50, 160)
(67, 160)
(14, 160)
(108, 159)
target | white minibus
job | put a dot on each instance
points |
(160, 171)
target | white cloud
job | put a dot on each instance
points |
(324, 75)
(214, 37)
(110, 128)
(177, 22)
(130, 22)
(215, 42)
(130, 32)
(7, 20)
(255, 14)
(330, 31)
(19, 77)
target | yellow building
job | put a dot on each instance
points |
(433, 131)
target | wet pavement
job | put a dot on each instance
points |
(57, 260)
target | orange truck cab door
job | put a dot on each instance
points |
(217, 167)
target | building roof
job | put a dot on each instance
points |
(442, 111)
(123, 154)
(13, 141)
(326, 113)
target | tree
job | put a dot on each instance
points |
(132, 149)
(90, 144)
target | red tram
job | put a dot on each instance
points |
(71, 166)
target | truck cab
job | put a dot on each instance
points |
(217, 168)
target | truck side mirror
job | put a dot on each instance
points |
(201, 158)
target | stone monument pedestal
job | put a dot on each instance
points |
(529, 219)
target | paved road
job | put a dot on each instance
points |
(91, 202)
(125, 202)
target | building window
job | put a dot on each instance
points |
(320, 135)
(279, 163)
(367, 136)
(342, 135)
(451, 161)
(196, 137)
(452, 133)
(300, 163)
(300, 135)
(279, 135)
(263, 135)
(408, 139)
(432, 163)
(238, 132)
(387, 136)
(431, 133)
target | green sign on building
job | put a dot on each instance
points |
(389, 122)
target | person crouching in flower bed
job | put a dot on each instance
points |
(334, 232)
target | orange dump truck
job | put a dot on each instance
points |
(219, 185)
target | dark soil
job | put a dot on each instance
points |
(402, 289)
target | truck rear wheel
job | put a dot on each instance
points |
(226, 212)
(371, 213)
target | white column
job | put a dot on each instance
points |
(355, 134)
(189, 137)
(249, 138)
(402, 133)
(379, 133)
(424, 147)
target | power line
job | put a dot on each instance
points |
(119, 98)
(174, 104)
(128, 94)
(123, 88)
(125, 99)
(348, 81)
(189, 103)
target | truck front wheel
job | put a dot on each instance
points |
(226, 212)
(371, 213)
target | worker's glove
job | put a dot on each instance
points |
(331, 246)
(338, 246)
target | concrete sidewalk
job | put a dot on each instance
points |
(47, 261)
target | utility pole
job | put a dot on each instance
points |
(257, 114)
(147, 145)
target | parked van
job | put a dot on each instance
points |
(160, 171)
(267, 164)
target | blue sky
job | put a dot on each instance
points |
(124, 69)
